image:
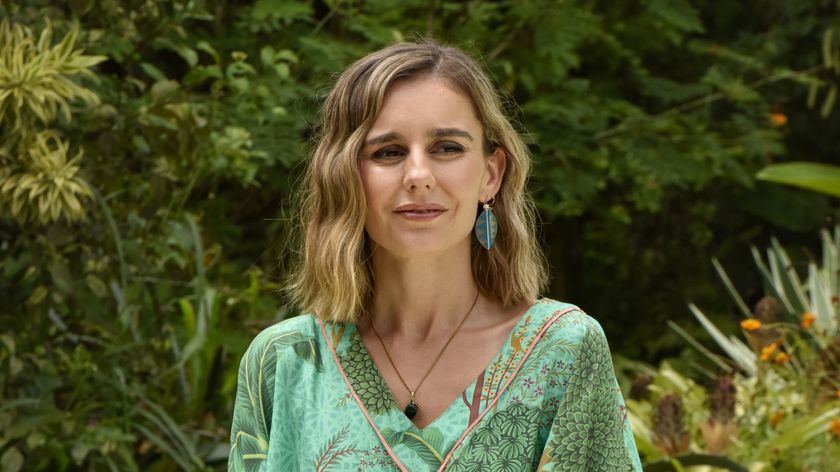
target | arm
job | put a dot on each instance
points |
(591, 431)
(249, 433)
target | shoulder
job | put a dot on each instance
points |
(579, 340)
(301, 328)
(569, 324)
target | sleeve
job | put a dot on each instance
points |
(252, 412)
(591, 431)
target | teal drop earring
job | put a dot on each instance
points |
(486, 226)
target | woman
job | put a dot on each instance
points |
(425, 347)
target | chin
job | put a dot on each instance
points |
(422, 246)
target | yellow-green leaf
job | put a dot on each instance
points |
(823, 178)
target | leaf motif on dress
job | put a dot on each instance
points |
(333, 451)
(254, 399)
(363, 374)
(307, 350)
(505, 441)
(588, 432)
(427, 443)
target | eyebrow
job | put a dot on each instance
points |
(444, 132)
(435, 133)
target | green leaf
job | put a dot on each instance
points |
(791, 208)
(801, 431)
(163, 88)
(820, 299)
(282, 9)
(35, 439)
(678, 13)
(734, 347)
(38, 295)
(12, 460)
(61, 276)
(186, 52)
(791, 283)
(96, 285)
(699, 346)
(813, 88)
(152, 71)
(826, 47)
(771, 282)
(823, 178)
(828, 104)
(188, 314)
(736, 297)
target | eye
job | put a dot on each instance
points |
(388, 152)
(449, 147)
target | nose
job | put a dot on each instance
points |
(418, 173)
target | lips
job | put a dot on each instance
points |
(420, 211)
(423, 208)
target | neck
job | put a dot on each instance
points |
(420, 298)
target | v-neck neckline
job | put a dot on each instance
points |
(470, 387)
(385, 421)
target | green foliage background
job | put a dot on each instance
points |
(122, 322)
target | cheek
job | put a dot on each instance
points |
(467, 181)
(377, 191)
(368, 180)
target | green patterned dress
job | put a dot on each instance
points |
(311, 398)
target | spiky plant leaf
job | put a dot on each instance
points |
(791, 283)
(821, 306)
(49, 188)
(36, 78)
(734, 347)
(770, 282)
(731, 288)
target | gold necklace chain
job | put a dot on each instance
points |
(413, 407)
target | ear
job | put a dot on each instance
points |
(495, 166)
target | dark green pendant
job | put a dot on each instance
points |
(411, 409)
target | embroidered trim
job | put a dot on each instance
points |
(359, 400)
(487, 408)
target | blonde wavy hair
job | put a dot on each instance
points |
(333, 277)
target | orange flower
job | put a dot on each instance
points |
(751, 324)
(776, 417)
(781, 358)
(807, 319)
(778, 118)
(838, 393)
(835, 426)
(768, 350)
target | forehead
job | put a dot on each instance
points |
(426, 100)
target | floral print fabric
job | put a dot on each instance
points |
(310, 397)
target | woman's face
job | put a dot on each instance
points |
(424, 169)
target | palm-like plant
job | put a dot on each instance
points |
(783, 371)
(38, 181)
(49, 187)
(36, 77)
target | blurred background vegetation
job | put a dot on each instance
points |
(149, 149)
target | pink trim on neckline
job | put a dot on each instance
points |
(359, 400)
(487, 408)
(536, 339)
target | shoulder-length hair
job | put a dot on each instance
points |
(333, 277)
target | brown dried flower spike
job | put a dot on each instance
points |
(719, 430)
(669, 432)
